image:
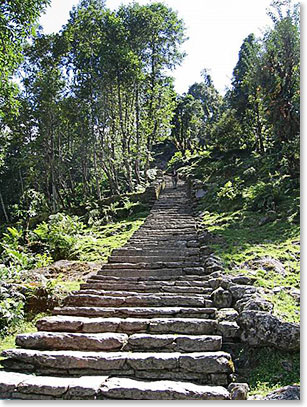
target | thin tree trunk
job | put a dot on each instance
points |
(3, 208)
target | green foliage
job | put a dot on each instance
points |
(186, 123)
(7, 340)
(17, 23)
(271, 369)
(97, 243)
(61, 233)
(11, 304)
(231, 190)
(270, 252)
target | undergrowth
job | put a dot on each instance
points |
(251, 211)
(270, 369)
(269, 252)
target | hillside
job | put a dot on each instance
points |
(172, 218)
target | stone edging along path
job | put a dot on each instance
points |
(151, 325)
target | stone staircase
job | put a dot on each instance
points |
(145, 327)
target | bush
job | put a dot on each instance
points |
(60, 234)
(11, 302)
(263, 196)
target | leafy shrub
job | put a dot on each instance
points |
(32, 204)
(231, 190)
(262, 196)
(60, 233)
(11, 303)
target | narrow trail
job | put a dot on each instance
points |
(144, 327)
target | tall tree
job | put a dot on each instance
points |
(211, 102)
(279, 77)
(186, 123)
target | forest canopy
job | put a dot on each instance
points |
(95, 99)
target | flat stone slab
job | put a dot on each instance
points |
(28, 387)
(129, 389)
(197, 326)
(150, 312)
(72, 341)
(198, 362)
(24, 386)
(115, 341)
(139, 299)
(128, 289)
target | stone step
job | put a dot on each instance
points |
(154, 252)
(190, 280)
(172, 231)
(172, 238)
(142, 258)
(140, 299)
(157, 266)
(125, 293)
(139, 273)
(20, 386)
(148, 280)
(112, 341)
(63, 323)
(137, 312)
(149, 265)
(144, 288)
(166, 224)
(173, 242)
(174, 235)
(199, 366)
(158, 273)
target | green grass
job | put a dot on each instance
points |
(271, 369)
(270, 252)
(97, 243)
(8, 341)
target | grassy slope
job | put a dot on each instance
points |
(254, 227)
(97, 243)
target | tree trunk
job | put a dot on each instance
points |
(3, 208)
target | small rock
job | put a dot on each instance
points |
(295, 293)
(227, 314)
(238, 391)
(221, 298)
(285, 393)
(254, 302)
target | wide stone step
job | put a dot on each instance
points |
(171, 236)
(139, 299)
(19, 386)
(144, 288)
(194, 326)
(163, 237)
(137, 312)
(188, 280)
(124, 293)
(142, 258)
(158, 273)
(154, 252)
(203, 367)
(169, 226)
(118, 341)
(148, 265)
(140, 273)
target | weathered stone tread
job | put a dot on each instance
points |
(28, 387)
(148, 312)
(197, 326)
(117, 341)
